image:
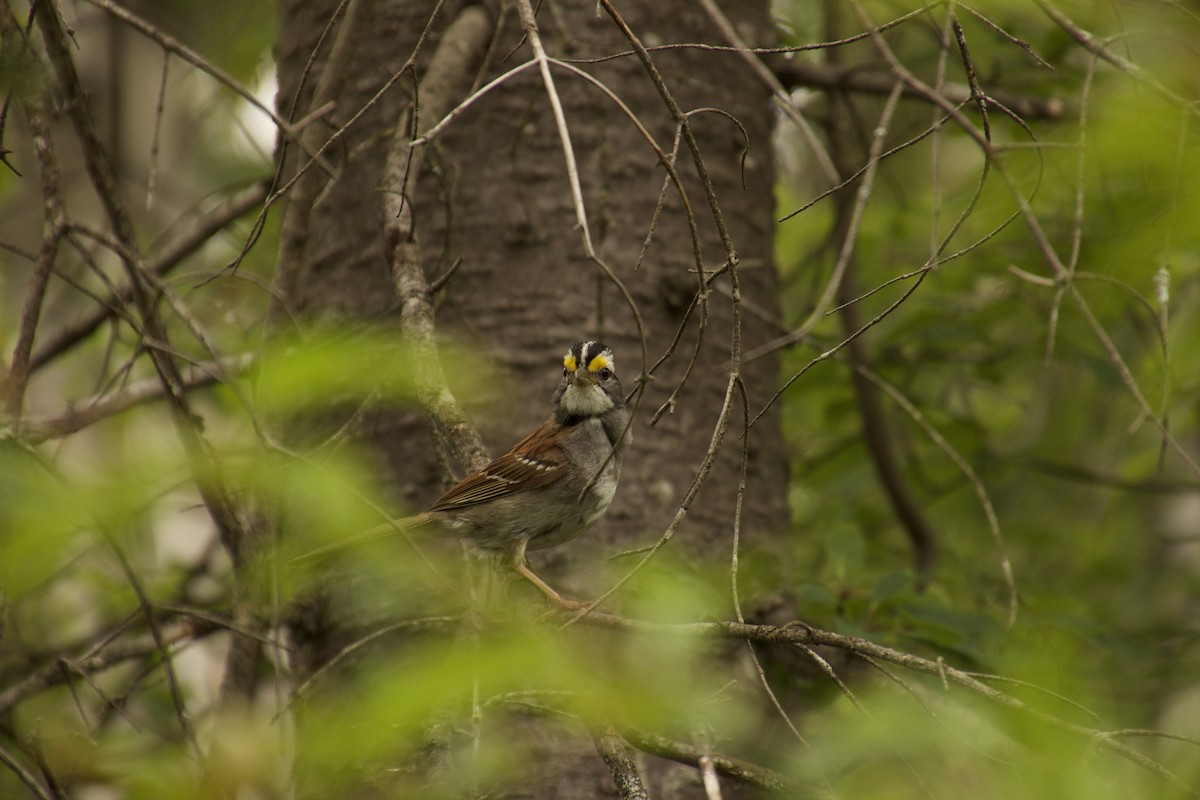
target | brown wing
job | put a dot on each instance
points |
(533, 462)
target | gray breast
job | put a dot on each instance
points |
(587, 451)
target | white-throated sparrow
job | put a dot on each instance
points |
(552, 485)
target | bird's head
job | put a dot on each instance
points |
(589, 385)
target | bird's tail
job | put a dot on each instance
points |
(388, 529)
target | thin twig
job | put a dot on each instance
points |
(294, 228)
(985, 500)
(783, 99)
(158, 635)
(412, 625)
(99, 660)
(560, 120)
(169, 256)
(27, 777)
(152, 180)
(103, 406)
(831, 352)
(854, 223)
(1096, 46)
(54, 227)
(800, 48)
(856, 79)
(172, 45)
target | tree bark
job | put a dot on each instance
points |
(495, 194)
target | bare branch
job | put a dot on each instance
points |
(293, 232)
(172, 45)
(27, 777)
(103, 406)
(57, 672)
(800, 48)
(1097, 47)
(801, 634)
(848, 217)
(54, 227)
(743, 771)
(525, 9)
(855, 79)
(171, 254)
(625, 773)
(783, 100)
(985, 500)
(463, 43)
(854, 220)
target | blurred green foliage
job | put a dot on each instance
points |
(1101, 525)
(237, 36)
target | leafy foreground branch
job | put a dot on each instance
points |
(611, 738)
(802, 634)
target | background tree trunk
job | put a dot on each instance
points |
(497, 197)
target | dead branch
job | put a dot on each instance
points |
(169, 256)
(625, 773)
(64, 670)
(794, 72)
(103, 406)
(463, 43)
(803, 635)
(54, 228)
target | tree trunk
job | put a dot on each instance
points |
(495, 194)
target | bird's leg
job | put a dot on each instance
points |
(515, 554)
(551, 595)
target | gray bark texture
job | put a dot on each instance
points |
(494, 193)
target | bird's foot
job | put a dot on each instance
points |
(554, 597)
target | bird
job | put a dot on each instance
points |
(551, 486)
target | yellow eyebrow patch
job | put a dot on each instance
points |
(599, 362)
(569, 362)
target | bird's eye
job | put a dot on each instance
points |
(605, 374)
(566, 372)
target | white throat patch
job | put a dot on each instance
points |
(586, 401)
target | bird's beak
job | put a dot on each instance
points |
(584, 378)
